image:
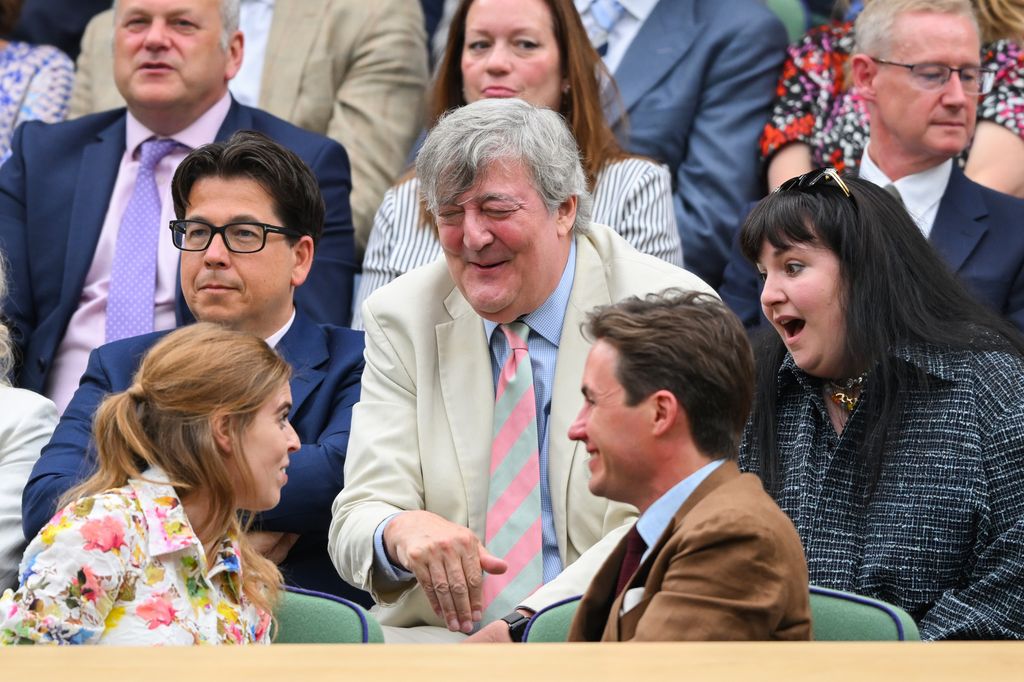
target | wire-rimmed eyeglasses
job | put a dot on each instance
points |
(930, 76)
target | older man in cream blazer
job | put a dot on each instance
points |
(353, 70)
(505, 184)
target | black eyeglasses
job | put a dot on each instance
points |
(973, 79)
(196, 235)
(808, 180)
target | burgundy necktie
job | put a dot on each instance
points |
(635, 548)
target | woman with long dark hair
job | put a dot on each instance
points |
(887, 420)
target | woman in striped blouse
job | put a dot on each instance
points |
(536, 50)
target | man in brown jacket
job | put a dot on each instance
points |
(667, 388)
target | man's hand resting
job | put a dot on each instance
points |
(448, 562)
(273, 545)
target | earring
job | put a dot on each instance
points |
(565, 88)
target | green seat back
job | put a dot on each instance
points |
(551, 624)
(835, 616)
(793, 16)
(305, 617)
(843, 616)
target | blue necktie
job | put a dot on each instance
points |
(605, 14)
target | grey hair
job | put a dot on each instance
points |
(229, 21)
(469, 139)
(873, 30)
(6, 348)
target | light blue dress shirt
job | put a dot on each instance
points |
(653, 522)
(545, 335)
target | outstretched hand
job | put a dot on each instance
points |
(448, 561)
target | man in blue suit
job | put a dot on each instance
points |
(921, 81)
(66, 191)
(250, 217)
(697, 81)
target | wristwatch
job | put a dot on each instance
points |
(517, 623)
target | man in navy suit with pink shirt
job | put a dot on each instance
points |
(84, 206)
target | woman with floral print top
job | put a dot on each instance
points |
(817, 106)
(150, 549)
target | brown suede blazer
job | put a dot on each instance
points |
(729, 567)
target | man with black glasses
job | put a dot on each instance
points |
(250, 215)
(917, 68)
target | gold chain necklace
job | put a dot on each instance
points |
(846, 393)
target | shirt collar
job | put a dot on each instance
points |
(170, 530)
(265, 3)
(276, 337)
(919, 192)
(640, 9)
(201, 131)
(548, 318)
(653, 522)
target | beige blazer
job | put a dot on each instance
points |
(354, 70)
(421, 432)
(729, 567)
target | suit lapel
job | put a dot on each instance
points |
(101, 160)
(961, 220)
(592, 622)
(624, 627)
(589, 289)
(304, 348)
(467, 388)
(237, 118)
(720, 476)
(292, 34)
(666, 35)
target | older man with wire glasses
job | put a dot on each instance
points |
(917, 66)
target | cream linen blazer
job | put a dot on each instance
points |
(421, 432)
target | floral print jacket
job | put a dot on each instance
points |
(124, 567)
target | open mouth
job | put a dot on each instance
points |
(792, 327)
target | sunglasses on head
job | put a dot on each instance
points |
(808, 180)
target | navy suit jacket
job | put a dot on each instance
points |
(697, 83)
(327, 363)
(54, 194)
(979, 232)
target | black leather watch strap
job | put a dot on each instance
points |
(517, 623)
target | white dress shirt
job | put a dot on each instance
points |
(255, 18)
(921, 192)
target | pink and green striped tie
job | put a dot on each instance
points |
(513, 529)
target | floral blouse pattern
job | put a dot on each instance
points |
(35, 84)
(815, 105)
(125, 567)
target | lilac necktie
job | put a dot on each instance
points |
(132, 295)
